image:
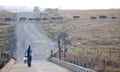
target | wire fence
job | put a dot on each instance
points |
(99, 59)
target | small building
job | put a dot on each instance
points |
(56, 18)
(24, 16)
(102, 17)
(76, 17)
(23, 19)
(44, 18)
(30, 19)
(92, 17)
(114, 17)
(36, 9)
(37, 19)
(8, 19)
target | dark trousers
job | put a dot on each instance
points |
(29, 59)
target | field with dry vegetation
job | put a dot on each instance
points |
(6, 43)
(6, 16)
(7, 37)
(93, 38)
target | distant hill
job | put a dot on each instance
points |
(5, 14)
(96, 33)
(85, 14)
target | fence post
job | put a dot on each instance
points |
(83, 56)
(51, 53)
(59, 48)
(104, 64)
(112, 64)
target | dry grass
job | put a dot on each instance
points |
(5, 14)
(5, 52)
(96, 36)
(85, 14)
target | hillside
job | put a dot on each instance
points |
(89, 30)
(85, 14)
(7, 43)
(5, 14)
(98, 37)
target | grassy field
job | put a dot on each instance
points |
(98, 40)
(5, 51)
(5, 14)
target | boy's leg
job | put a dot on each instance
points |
(29, 61)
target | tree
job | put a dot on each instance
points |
(63, 40)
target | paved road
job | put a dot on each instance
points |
(27, 33)
(38, 66)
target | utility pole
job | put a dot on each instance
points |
(51, 53)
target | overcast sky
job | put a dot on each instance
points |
(65, 4)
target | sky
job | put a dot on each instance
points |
(64, 4)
